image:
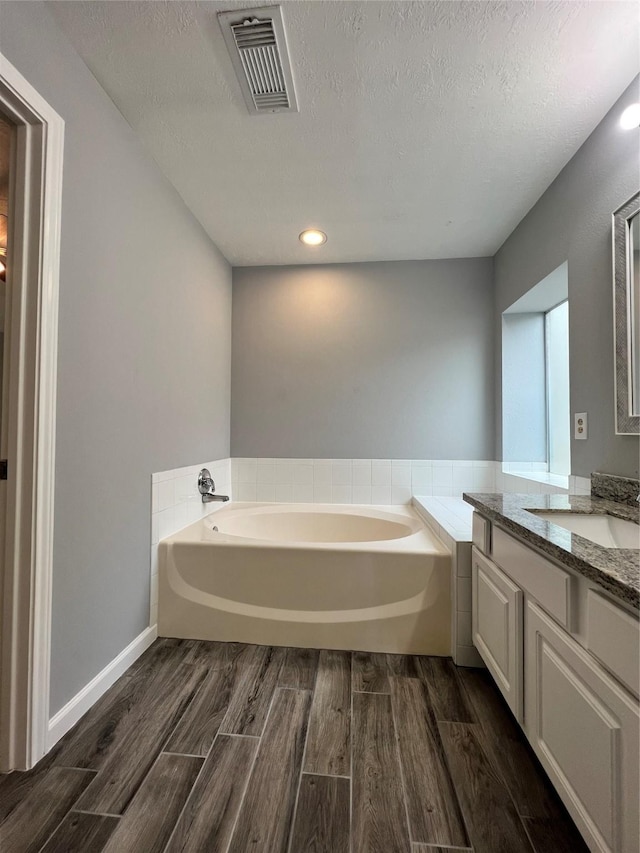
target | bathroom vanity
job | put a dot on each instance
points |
(555, 618)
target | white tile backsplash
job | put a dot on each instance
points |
(358, 481)
(462, 477)
(341, 493)
(284, 472)
(322, 493)
(166, 525)
(266, 492)
(361, 472)
(442, 476)
(361, 493)
(321, 472)
(180, 515)
(165, 495)
(247, 471)
(266, 472)
(247, 491)
(303, 493)
(400, 495)
(483, 479)
(421, 477)
(284, 492)
(385, 481)
(380, 472)
(401, 474)
(381, 495)
(341, 472)
(302, 474)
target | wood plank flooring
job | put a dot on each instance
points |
(266, 813)
(432, 806)
(210, 815)
(328, 744)
(152, 814)
(229, 748)
(379, 817)
(81, 831)
(322, 814)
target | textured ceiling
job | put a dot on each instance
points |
(426, 129)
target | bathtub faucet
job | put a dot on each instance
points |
(207, 487)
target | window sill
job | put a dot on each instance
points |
(560, 480)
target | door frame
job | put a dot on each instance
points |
(29, 419)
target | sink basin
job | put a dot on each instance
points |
(605, 530)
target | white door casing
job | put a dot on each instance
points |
(28, 428)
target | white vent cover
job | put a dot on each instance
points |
(257, 43)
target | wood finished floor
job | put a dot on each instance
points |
(227, 748)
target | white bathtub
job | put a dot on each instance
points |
(309, 575)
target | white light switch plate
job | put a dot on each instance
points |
(580, 426)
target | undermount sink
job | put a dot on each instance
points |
(605, 530)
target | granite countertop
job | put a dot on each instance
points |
(615, 569)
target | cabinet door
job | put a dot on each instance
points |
(584, 728)
(497, 627)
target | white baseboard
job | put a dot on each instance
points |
(75, 708)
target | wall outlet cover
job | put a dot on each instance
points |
(580, 426)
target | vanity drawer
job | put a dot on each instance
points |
(551, 586)
(481, 534)
(613, 636)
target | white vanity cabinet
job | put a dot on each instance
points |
(583, 727)
(565, 656)
(497, 626)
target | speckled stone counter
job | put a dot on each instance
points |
(611, 487)
(615, 569)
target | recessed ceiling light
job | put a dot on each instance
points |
(313, 237)
(630, 118)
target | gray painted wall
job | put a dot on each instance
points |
(372, 360)
(572, 222)
(144, 354)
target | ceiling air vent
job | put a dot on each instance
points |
(257, 43)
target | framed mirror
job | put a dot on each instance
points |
(626, 305)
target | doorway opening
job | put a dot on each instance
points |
(30, 257)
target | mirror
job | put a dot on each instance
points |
(634, 310)
(626, 290)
